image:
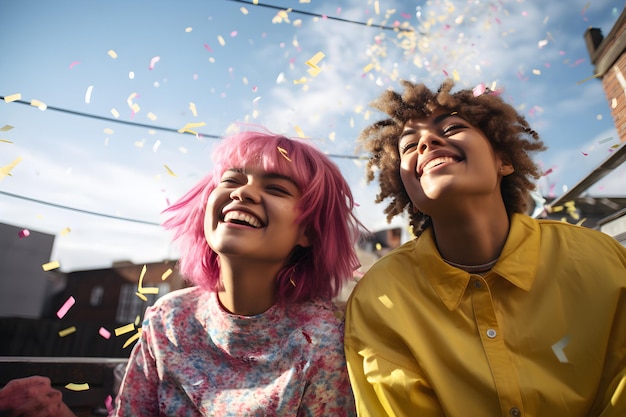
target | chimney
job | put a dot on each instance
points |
(593, 39)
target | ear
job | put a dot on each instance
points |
(505, 168)
(303, 239)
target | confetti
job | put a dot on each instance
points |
(66, 307)
(6, 170)
(307, 337)
(88, 94)
(188, 126)
(283, 152)
(50, 266)
(151, 116)
(104, 333)
(6, 128)
(166, 274)
(77, 387)
(368, 68)
(68, 331)
(153, 62)
(13, 97)
(221, 40)
(65, 231)
(192, 107)
(315, 69)
(299, 131)
(112, 53)
(479, 90)
(169, 171)
(125, 329)
(39, 104)
(618, 391)
(558, 347)
(132, 339)
(115, 113)
(73, 64)
(386, 301)
(23, 233)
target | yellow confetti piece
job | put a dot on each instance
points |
(283, 152)
(151, 116)
(115, 113)
(13, 97)
(221, 40)
(556, 209)
(132, 338)
(6, 128)
(332, 136)
(169, 171)
(39, 104)
(67, 331)
(384, 299)
(65, 231)
(314, 70)
(135, 108)
(188, 126)
(300, 81)
(5, 141)
(77, 387)
(192, 107)
(368, 68)
(188, 29)
(140, 295)
(51, 265)
(299, 131)
(377, 7)
(455, 75)
(166, 274)
(618, 391)
(6, 170)
(112, 53)
(125, 329)
(108, 131)
(243, 10)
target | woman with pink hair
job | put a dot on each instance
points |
(267, 239)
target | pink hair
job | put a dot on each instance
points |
(326, 210)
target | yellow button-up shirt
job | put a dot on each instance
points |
(542, 334)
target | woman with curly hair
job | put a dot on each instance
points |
(487, 312)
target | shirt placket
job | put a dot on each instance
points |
(504, 374)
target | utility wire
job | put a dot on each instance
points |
(47, 203)
(162, 128)
(339, 19)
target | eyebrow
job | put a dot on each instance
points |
(266, 175)
(436, 121)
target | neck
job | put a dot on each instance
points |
(472, 238)
(248, 288)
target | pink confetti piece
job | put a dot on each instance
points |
(23, 233)
(66, 307)
(233, 33)
(73, 64)
(104, 333)
(153, 62)
(549, 171)
(584, 153)
(108, 403)
(208, 48)
(479, 89)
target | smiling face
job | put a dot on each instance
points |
(443, 157)
(251, 214)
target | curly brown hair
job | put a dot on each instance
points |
(508, 131)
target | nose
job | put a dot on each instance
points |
(246, 192)
(429, 140)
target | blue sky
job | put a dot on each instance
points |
(244, 62)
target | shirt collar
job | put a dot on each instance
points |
(517, 263)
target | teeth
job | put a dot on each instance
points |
(438, 161)
(237, 216)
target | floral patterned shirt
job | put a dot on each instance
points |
(196, 359)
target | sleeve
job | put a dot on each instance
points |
(382, 387)
(328, 392)
(138, 393)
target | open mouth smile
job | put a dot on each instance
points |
(242, 218)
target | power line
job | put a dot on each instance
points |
(162, 128)
(93, 213)
(339, 19)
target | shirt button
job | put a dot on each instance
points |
(491, 333)
(477, 284)
(515, 412)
